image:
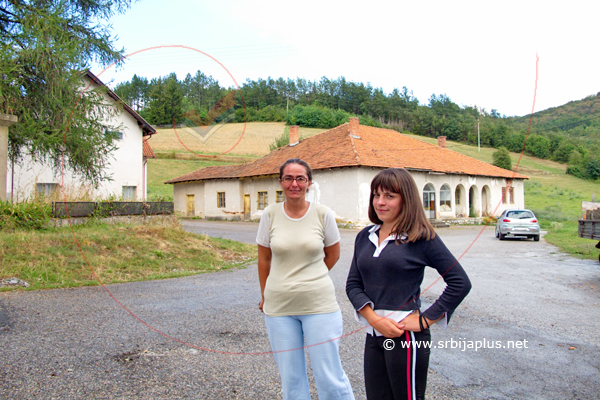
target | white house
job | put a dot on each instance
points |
(344, 161)
(127, 164)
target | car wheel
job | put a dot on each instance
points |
(501, 236)
(536, 238)
(496, 232)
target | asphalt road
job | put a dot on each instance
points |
(203, 337)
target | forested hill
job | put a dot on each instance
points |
(568, 134)
(578, 118)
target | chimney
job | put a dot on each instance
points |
(294, 136)
(442, 141)
(354, 127)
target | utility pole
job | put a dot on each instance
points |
(478, 140)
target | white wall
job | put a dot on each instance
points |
(233, 209)
(346, 191)
(180, 193)
(251, 186)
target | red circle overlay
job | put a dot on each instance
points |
(264, 352)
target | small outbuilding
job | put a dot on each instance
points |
(344, 161)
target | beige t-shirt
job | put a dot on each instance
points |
(298, 282)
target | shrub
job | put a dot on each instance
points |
(33, 214)
(281, 141)
(592, 169)
(502, 159)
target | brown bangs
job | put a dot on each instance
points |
(385, 182)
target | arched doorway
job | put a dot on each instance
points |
(486, 207)
(429, 201)
(474, 210)
(460, 201)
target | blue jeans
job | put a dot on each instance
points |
(322, 333)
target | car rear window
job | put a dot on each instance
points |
(519, 214)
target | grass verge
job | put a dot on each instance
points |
(161, 170)
(51, 258)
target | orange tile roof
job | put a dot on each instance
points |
(366, 147)
(147, 150)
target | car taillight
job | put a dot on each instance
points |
(534, 220)
(506, 220)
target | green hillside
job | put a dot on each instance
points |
(579, 118)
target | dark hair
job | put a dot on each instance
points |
(412, 221)
(299, 162)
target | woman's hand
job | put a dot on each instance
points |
(411, 322)
(388, 327)
(260, 305)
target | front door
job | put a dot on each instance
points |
(429, 201)
(246, 207)
(191, 209)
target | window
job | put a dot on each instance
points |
(521, 214)
(220, 199)
(263, 200)
(445, 198)
(511, 192)
(129, 193)
(511, 195)
(457, 197)
(279, 196)
(46, 189)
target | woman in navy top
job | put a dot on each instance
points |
(384, 287)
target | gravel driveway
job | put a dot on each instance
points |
(202, 337)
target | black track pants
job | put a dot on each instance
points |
(395, 370)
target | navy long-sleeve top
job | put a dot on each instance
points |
(392, 280)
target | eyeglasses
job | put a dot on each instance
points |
(299, 179)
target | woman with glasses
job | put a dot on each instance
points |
(298, 243)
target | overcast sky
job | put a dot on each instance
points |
(477, 53)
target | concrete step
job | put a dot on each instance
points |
(438, 223)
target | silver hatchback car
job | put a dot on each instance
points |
(518, 223)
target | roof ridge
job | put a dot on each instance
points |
(354, 148)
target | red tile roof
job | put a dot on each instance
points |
(351, 145)
(147, 150)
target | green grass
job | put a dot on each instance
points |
(58, 258)
(161, 170)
